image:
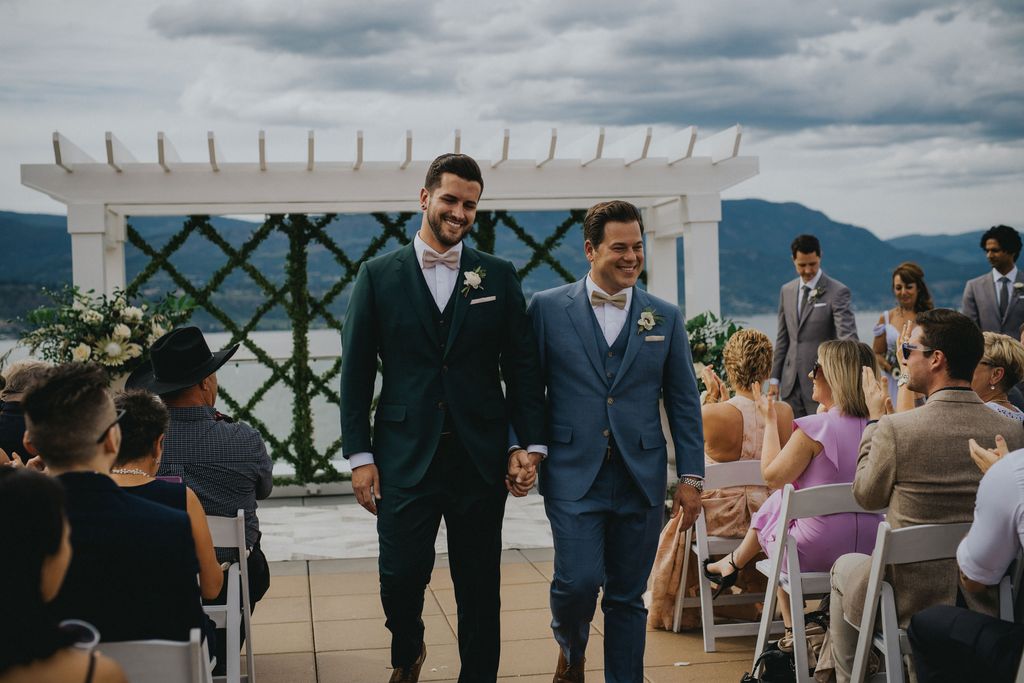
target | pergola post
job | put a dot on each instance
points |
(701, 215)
(97, 248)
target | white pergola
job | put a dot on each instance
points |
(679, 192)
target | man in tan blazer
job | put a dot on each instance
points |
(918, 464)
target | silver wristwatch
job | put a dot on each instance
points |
(695, 482)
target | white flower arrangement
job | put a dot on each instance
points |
(104, 329)
(474, 280)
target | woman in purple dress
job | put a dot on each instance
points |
(822, 450)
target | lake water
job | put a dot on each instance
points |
(242, 376)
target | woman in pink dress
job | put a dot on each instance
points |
(822, 450)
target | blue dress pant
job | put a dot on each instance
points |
(607, 539)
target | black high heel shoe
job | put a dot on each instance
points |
(722, 582)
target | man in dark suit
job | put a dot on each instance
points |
(812, 308)
(133, 568)
(448, 324)
(992, 300)
(611, 353)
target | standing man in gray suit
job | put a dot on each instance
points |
(992, 300)
(812, 308)
(610, 354)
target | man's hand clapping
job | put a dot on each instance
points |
(983, 457)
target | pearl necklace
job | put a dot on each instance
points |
(130, 470)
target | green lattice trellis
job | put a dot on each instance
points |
(302, 308)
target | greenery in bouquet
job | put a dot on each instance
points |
(708, 334)
(108, 330)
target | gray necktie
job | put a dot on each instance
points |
(449, 259)
(805, 292)
(1004, 295)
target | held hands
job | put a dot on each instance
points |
(983, 457)
(366, 486)
(522, 472)
(876, 394)
(686, 501)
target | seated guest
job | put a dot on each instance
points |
(954, 644)
(142, 444)
(223, 461)
(18, 377)
(133, 572)
(37, 550)
(997, 372)
(822, 450)
(913, 463)
(733, 430)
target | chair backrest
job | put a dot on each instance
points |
(162, 661)
(815, 501)
(739, 473)
(228, 532)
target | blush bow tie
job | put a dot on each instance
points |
(618, 301)
(449, 259)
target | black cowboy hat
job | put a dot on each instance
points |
(179, 359)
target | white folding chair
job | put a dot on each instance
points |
(162, 661)
(920, 543)
(229, 532)
(717, 476)
(814, 501)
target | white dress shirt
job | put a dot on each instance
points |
(1011, 276)
(610, 318)
(998, 529)
(800, 290)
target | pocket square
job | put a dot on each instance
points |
(654, 338)
(820, 305)
(482, 300)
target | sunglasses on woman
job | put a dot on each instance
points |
(815, 369)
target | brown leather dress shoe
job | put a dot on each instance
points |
(568, 674)
(410, 673)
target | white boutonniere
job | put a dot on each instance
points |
(815, 293)
(648, 319)
(474, 280)
(1017, 286)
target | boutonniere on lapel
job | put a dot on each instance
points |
(1017, 287)
(815, 293)
(648, 319)
(474, 280)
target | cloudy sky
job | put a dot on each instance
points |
(901, 116)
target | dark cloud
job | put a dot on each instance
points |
(333, 29)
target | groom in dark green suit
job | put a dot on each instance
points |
(448, 324)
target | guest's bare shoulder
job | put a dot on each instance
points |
(723, 431)
(68, 664)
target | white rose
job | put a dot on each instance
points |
(132, 314)
(81, 353)
(472, 280)
(90, 316)
(113, 350)
(133, 350)
(646, 320)
(157, 331)
(122, 331)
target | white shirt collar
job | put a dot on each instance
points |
(814, 280)
(420, 246)
(1012, 275)
(592, 287)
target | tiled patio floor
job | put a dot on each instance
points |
(322, 622)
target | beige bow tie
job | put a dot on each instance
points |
(618, 301)
(449, 259)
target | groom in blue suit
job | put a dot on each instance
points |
(610, 352)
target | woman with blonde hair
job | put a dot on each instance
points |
(822, 450)
(997, 372)
(733, 430)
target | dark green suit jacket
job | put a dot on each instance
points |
(391, 316)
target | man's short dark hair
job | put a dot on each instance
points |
(805, 244)
(461, 165)
(956, 335)
(1007, 237)
(145, 419)
(65, 410)
(600, 214)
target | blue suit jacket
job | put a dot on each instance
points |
(582, 409)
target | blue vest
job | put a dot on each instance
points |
(612, 356)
